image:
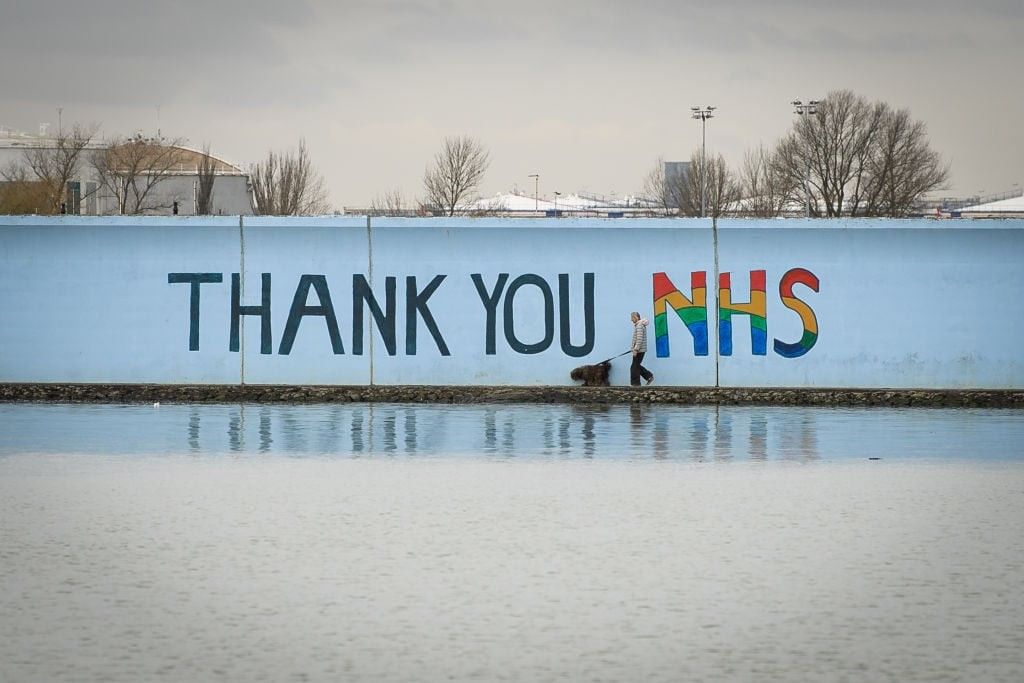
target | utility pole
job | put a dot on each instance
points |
(802, 110)
(703, 115)
(536, 184)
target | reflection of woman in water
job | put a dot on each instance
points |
(639, 348)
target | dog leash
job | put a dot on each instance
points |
(614, 357)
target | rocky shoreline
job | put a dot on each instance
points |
(177, 393)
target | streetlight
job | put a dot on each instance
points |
(703, 115)
(809, 109)
(557, 194)
(536, 183)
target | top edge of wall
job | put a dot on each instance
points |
(304, 221)
(872, 223)
(140, 221)
(360, 221)
(569, 222)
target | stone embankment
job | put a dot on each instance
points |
(149, 393)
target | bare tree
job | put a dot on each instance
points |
(711, 177)
(696, 184)
(391, 203)
(131, 169)
(666, 190)
(902, 166)
(287, 184)
(766, 188)
(206, 172)
(723, 189)
(22, 193)
(828, 152)
(845, 152)
(456, 174)
(656, 186)
(56, 162)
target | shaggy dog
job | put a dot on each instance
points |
(593, 375)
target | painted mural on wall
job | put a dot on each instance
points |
(497, 296)
(693, 311)
(341, 301)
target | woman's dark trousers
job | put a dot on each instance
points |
(636, 371)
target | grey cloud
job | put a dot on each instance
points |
(526, 75)
(112, 51)
(142, 30)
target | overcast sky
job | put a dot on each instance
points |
(587, 93)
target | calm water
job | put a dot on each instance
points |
(398, 543)
(516, 431)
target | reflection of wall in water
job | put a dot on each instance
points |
(758, 437)
(356, 432)
(266, 440)
(636, 431)
(799, 440)
(659, 436)
(723, 434)
(193, 430)
(588, 435)
(329, 436)
(548, 433)
(490, 430)
(235, 430)
(637, 426)
(699, 434)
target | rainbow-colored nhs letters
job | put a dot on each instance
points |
(693, 311)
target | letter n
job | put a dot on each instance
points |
(692, 311)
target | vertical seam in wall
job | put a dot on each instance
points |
(369, 275)
(241, 298)
(714, 239)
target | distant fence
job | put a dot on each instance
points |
(386, 301)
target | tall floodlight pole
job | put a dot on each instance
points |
(802, 110)
(703, 115)
(536, 184)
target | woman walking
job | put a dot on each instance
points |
(639, 348)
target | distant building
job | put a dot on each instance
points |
(514, 204)
(85, 195)
(676, 173)
(1009, 207)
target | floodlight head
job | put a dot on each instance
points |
(694, 108)
(796, 103)
(712, 108)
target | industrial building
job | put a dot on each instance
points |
(175, 193)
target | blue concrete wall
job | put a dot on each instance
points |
(902, 304)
